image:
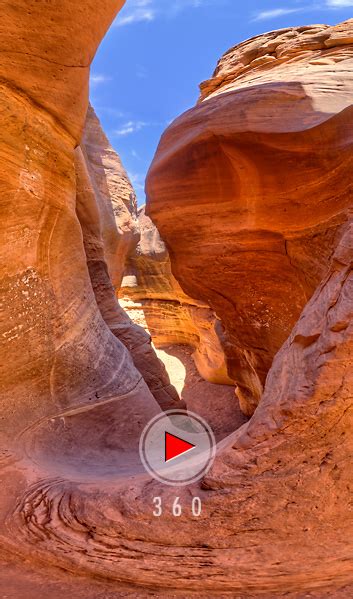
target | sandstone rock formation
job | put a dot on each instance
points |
(106, 208)
(116, 197)
(250, 189)
(69, 388)
(277, 503)
(276, 514)
(48, 305)
(153, 298)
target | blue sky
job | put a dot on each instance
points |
(148, 67)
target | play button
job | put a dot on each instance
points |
(177, 447)
(174, 446)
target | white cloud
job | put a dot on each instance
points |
(137, 16)
(138, 11)
(109, 110)
(141, 72)
(97, 79)
(279, 12)
(339, 3)
(130, 127)
(138, 181)
(275, 12)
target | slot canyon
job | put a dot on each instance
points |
(229, 295)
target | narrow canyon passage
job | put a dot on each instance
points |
(186, 333)
(241, 275)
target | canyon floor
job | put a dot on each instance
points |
(24, 580)
(216, 403)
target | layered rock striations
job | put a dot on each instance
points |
(153, 298)
(276, 505)
(56, 350)
(114, 194)
(72, 398)
(250, 189)
(106, 208)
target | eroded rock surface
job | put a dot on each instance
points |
(276, 506)
(67, 383)
(56, 351)
(114, 194)
(250, 188)
(153, 298)
(106, 208)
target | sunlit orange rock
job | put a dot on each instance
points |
(153, 298)
(250, 188)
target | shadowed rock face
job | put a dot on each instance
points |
(250, 188)
(56, 256)
(115, 197)
(153, 298)
(56, 351)
(106, 208)
(276, 514)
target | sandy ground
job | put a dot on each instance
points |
(217, 404)
(25, 582)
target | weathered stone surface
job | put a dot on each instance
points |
(106, 208)
(56, 351)
(153, 298)
(115, 197)
(276, 513)
(58, 358)
(250, 188)
(276, 505)
(47, 60)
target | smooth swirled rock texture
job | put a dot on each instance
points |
(56, 351)
(59, 359)
(250, 188)
(276, 506)
(153, 298)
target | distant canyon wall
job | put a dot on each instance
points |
(107, 211)
(153, 298)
